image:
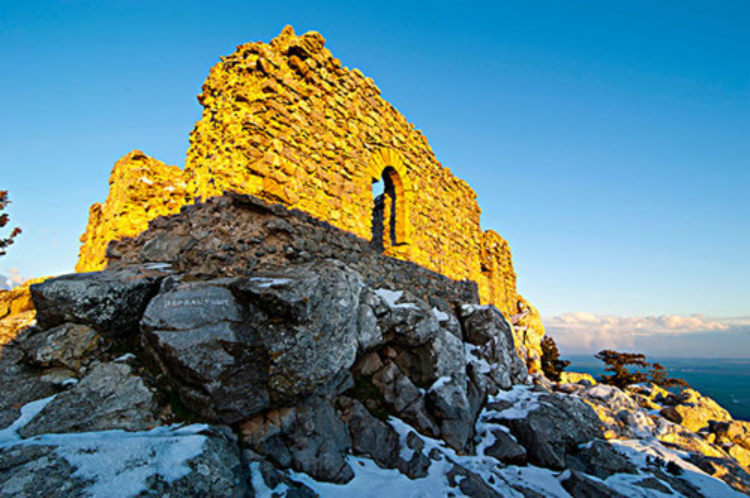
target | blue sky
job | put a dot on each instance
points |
(608, 141)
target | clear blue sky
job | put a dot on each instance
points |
(609, 141)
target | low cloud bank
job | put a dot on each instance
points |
(11, 280)
(668, 335)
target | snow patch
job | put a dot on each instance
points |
(119, 462)
(403, 431)
(472, 308)
(439, 383)
(157, 266)
(522, 399)
(259, 484)
(145, 180)
(637, 451)
(125, 358)
(9, 435)
(441, 316)
(370, 481)
(265, 283)
(392, 297)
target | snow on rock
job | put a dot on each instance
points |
(125, 358)
(522, 401)
(259, 484)
(642, 452)
(439, 383)
(119, 462)
(391, 298)
(371, 481)
(265, 283)
(9, 435)
(403, 430)
(440, 315)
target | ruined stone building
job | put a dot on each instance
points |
(285, 122)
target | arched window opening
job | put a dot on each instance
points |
(389, 211)
(378, 194)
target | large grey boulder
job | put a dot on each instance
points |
(371, 437)
(112, 302)
(404, 399)
(20, 383)
(442, 356)
(494, 345)
(305, 318)
(505, 447)
(553, 427)
(447, 402)
(309, 437)
(232, 348)
(38, 471)
(193, 331)
(110, 396)
(369, 332)
(580, 485)
(404, 318)
(217, 470)
(69, 345)
(600, 459)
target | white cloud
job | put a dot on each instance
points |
(15, 277)
(580, 331)
(11, 280)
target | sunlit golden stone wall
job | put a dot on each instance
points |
(140, 189)
(286, 122)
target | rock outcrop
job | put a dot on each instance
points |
(306, 375)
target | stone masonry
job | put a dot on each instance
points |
(285, 122)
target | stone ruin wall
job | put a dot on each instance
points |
(287, 123)
(140, 189)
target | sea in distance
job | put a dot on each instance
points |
(727, 381)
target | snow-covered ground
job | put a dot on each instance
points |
(117, 462)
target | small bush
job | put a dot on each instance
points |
(621, 376)
(552, 365)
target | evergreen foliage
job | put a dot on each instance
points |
(4, 220)
(552, 365)
(620, 375)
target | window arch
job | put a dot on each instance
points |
(390, 216)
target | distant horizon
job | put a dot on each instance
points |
(651, 359)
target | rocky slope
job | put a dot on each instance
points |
(305, 379)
